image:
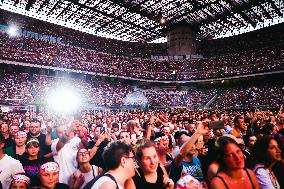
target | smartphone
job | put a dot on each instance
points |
(133, 136)
(102, 130)
(216, 124)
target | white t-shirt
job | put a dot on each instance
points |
(102, 180)
(87, 176)
(66, 158)
(9, 167)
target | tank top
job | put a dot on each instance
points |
(141, 182)
(227, 187)
(88, 176)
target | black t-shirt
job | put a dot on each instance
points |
(141, 183)
(61, 186)
(32, 168)
(9, 142)
(98, 159)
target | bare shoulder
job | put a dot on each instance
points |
(107, 185)
(253, 177)
(217, 183)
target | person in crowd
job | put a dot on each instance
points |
(150, 174)
(4, 128)
(35, 132)
(64, 150)
(26, 126)
(20, 181)
(49, 176)
(119, 159)
(266, 153)
(232, 172)
(32, 160)
(85, 173)
(185, 162)
(20, 145)
(8, 166)
(162, 146)
(240, 127)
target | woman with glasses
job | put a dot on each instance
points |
(232, 172)
(150, 174)
(86, 172)
(32, 160)
(267, 153)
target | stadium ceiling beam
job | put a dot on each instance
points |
(238, 10)
(266, 14)
(111, 16)
(277, 10)
(54, 6)
(197, 8)
(228, 13)
(45, 2)
(63, 11)
(246, 6)
(150, 16)
(134, 8)
(30, 4)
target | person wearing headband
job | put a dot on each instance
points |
(32, 160)
(20, 181)
(19, 147)
(49, 176)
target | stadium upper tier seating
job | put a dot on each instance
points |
(42, 52)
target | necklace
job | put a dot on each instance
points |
(273, 179)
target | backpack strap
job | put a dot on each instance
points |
(112, 178)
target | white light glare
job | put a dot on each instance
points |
(13, 30)
(63, 101)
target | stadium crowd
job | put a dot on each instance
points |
(41, 52)
(142, 149)
(24, 89)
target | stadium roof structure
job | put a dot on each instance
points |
(140, 20)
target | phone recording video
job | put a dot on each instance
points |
(216, 125)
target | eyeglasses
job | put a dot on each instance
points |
(132, 157)
(84, 153)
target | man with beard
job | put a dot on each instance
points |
(185, 162)
(240, 127)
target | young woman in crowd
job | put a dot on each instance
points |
(19, 147)
(232, 172)
(32, 160)
(266, 154)
(20, 181)
(150, 174)
(49, 177)
(86, 172)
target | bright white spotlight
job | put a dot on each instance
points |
(13, 30)
(63, 101)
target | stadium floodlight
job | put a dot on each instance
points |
(63, 101)
(12, 30)
(162, 20)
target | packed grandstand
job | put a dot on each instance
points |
(82, 110)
